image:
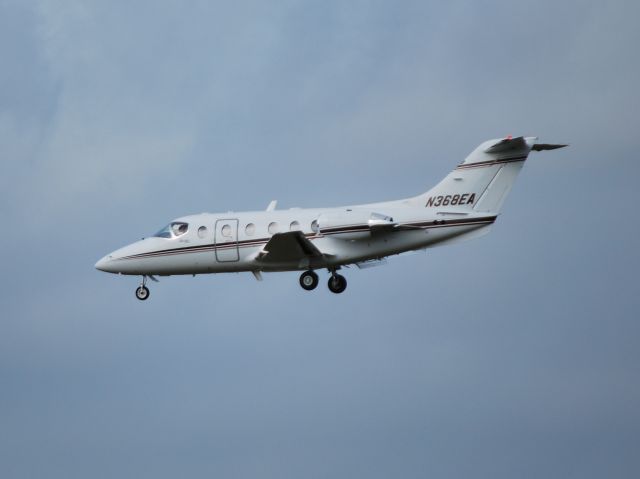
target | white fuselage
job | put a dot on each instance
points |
(232, 242)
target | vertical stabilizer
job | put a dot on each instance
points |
(483, 180)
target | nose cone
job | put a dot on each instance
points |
(121, 261)
(105, 264)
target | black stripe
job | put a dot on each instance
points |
(499, 161)
(199, 248)
(340, 228)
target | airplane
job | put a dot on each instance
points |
(464, 205)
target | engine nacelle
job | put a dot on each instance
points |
(353, 224)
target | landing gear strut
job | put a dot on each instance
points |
(309, 280)
(142, 292)
(337, 283)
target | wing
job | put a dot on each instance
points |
(288, 247)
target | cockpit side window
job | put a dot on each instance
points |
(177, 228)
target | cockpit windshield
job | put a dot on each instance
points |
(177, 228)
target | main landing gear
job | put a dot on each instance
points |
(309, 280)
(337, 283)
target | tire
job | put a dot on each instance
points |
(142, 293)
(309, 280)
(337, 283)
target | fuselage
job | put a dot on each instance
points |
(232, 242)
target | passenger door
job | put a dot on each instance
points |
(226, 240)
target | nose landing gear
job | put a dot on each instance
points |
(142, 292)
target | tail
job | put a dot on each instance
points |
(482, 181)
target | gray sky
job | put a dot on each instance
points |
(515, 355)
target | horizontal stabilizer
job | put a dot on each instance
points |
(546, 146)
(507, 144)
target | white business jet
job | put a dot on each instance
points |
(462, 206)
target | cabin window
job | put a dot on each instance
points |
(250, 229)
(226, 231)
(273, 228)
(294, 226)
(177, 228)
(314, 226)
(202, 232)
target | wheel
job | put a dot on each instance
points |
(309, 280)
(142, 293)
(337, 283)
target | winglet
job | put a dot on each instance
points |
(272, 205)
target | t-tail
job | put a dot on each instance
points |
(482, 181)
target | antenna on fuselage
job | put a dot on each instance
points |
(272, 205)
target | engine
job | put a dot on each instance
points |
(353, 224)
